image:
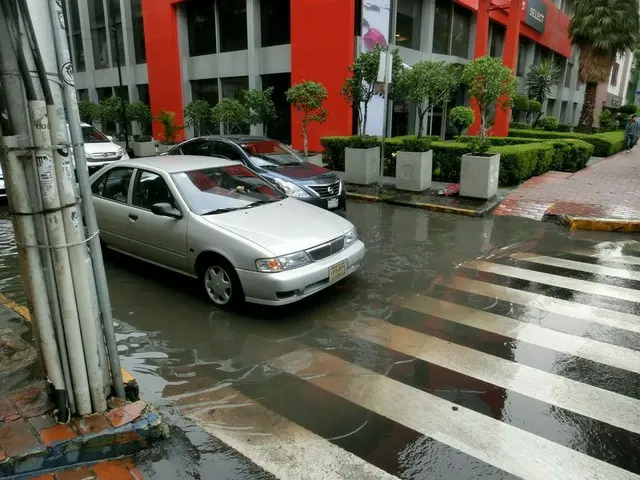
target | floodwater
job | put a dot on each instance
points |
(464, 348)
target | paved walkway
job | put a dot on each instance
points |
(122, 469)
(607, 192)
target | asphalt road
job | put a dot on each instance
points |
(464, 348)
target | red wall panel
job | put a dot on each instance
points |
(322, 48)
(163, 60)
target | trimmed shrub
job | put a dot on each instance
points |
(607, 122)
(563, 128)
(519, 125)
(521, 162)
(581, 153)
(501, 141)
(605, 144)
(550, 124)
(628, 109)
(446, 160)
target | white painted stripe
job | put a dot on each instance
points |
(613, 256)
(506, 447)
(597, 403)
(280, 446)
(556, 280)
(588, 313)
(579, 266)
(600, 352)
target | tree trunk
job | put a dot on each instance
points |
(305, 140)
(586, 117)
(420, 122)
(364, 122)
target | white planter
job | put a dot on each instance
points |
(362, 165)
(315, 160)
(479, 176)
(162, 148)
(144, 149)
(413, 170)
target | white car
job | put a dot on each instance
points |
(218, 221)
(100, 149)
(3, 191)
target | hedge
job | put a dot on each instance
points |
(605, 144)
(501, 141)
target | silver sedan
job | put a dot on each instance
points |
(218, 221)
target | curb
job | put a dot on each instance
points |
(594, 224)
(433, 207)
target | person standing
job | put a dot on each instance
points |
(631, 134)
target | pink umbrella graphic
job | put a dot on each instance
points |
(372, 38)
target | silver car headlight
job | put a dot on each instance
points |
(121, 152)
(350, 238)
(284, 262)
(291, 189)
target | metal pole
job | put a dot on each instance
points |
(95, 250)
(117, 45)
(388, 58)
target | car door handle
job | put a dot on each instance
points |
(133, 217)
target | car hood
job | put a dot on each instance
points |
(283, 227)
(104, 147)
(302, 172)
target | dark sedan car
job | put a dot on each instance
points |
(277, 163)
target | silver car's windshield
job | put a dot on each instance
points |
(93, 135)
(223, 189)
(265, 152)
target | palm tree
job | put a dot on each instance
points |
(601, 29)
(542, 77)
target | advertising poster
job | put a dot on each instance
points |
(376, 16)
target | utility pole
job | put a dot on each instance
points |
(114, 33)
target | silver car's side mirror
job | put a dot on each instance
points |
(110, 138)
(165, 210)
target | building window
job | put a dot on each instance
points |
(275, 19)
(574, 115)
(561, 63)
(614, 74)
(104, 93)
(201, 23)
(232, 19)
(568, 74)
(521, 66)
(408, 23)
(551, 103)
(115, 22)
(206, 90)
(451, 29)
(279, 129)
(75, 35)
(97, 22)
(143, 94)
(138, 31)
(232, 87)
(83, 94)
(496, 44)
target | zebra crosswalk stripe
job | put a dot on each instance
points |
(578, 266)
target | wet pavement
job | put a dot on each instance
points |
(464, 348)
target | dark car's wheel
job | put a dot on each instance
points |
(221, 283)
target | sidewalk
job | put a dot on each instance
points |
(604, 196)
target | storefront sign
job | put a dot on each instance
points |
(535, 14)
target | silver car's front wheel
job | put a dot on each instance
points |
(222, 285)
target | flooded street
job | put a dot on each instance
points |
(464, 348)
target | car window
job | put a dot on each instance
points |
(226, 150)
(93, 135)
(98, 187)
(149, 189)
(116, 184)
(197, 147)
(271, 152)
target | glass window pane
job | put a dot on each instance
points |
(98, 34)
(461, 30)
(150, 188)
(202, 27)
(138, 31)
(115, 22)
(232, 18)
(408, 23)
(568, 74)
(523, 48)
(75, 36)
(232, 87)
(225, 150)
(497, 40)
(117, 184)
(442, 27)
(280, 128)
(275, 22)
(206, 90)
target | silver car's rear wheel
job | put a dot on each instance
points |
(222, 285)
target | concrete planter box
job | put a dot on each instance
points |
(413, 170)
(163, 148)
(362, 165)
(144, 149)
(315, 159)
(479, 176)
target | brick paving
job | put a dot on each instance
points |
(608, 190)
(121, 469)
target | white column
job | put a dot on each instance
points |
(254, 42)
(183, 46)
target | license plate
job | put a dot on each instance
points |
(337, 271)
(332, 203)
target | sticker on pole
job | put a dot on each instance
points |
(66, 72)
(46, 176)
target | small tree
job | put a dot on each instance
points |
(491, 84)
(607, 122)
(232, 113)
(197, 114)
(541, 79)
(307, 99)
(89, 111)
(520, 105)
(140, 113)
(534, 108)
(262, 111)
(361, 84)
(461, 118)
(110, 112)
(428, 84)
(170, 129)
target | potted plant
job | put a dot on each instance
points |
(262, 111)
(140, 114)
(197, 114)
(307, 99)
(170, 130)
(232, 114)
(461, 118)
(414, 165)
(491, 85)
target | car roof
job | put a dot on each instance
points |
(179, 163)
(238, 138)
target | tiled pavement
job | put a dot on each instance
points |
(608, 190)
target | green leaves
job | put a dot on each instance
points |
(260, 106)
(307, 98)
(89, 111)
(542, 77)
(110, 109)
(197, 114)
(140, 113)
(232, 113)
(491, 84)
(167, 119)
(461, 118)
